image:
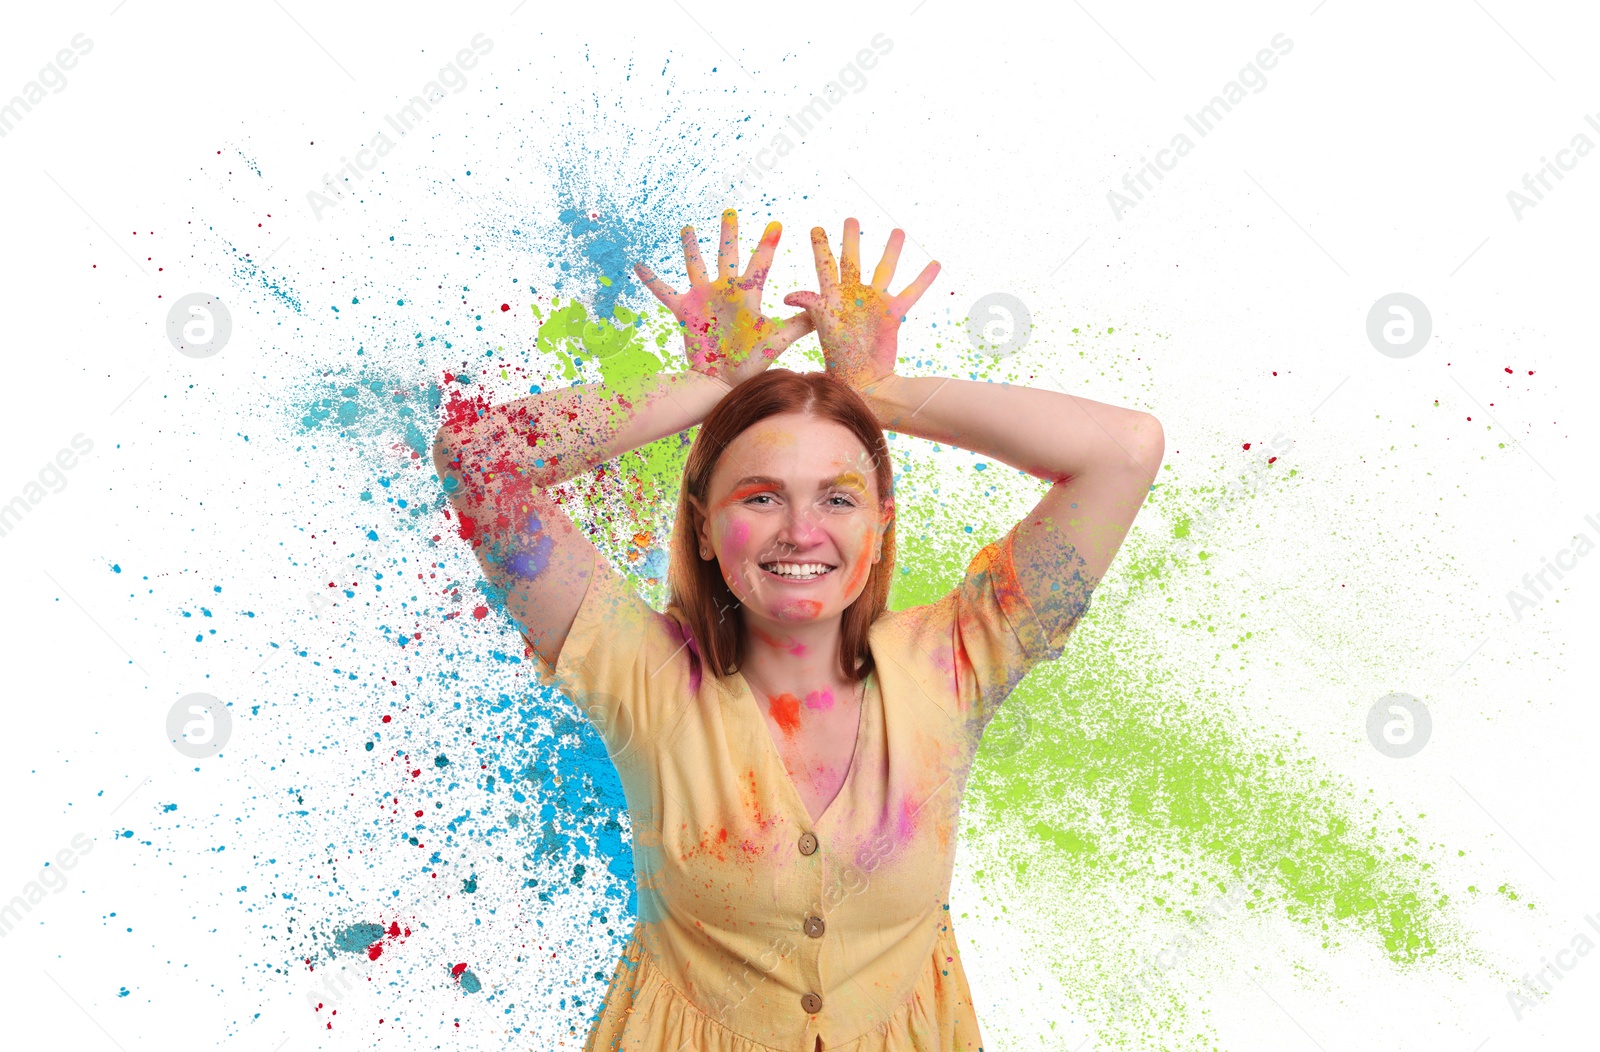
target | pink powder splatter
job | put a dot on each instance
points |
(820, 699)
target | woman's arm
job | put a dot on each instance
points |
(498, 462)
(1101, 458)
(496, 469)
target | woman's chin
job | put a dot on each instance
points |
(800, 610)
(792, 610)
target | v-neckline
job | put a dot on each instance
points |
(753, 708)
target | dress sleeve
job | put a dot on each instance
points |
(629, 668)
(995, 635)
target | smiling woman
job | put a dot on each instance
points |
(777, 730)
(789, 486)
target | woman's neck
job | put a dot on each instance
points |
(801, 660)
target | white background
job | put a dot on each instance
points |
(1377, 159)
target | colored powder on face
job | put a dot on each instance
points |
(858, 571)
(852, 480)
(800, 609)
(785, 712)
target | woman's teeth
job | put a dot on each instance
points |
(797, 571)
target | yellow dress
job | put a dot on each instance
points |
(758, 929)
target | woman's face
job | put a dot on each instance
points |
(794, 518)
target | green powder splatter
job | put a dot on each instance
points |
(633, 501)
(1129, 793)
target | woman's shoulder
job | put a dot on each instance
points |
(913, 619)
(911, 635)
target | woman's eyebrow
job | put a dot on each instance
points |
(753, 483)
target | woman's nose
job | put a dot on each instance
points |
(800, 529)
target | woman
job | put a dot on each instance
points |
(793, 753)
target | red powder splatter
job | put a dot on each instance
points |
(481, 612)
(386, 719)
(457, 970)
(505, 306)
(1247, 445)
(785, 710)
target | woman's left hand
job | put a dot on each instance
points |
(859, 325)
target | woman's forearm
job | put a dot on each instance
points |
(1045, 433)
(556, 435)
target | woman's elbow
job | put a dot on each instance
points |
(1149, 444)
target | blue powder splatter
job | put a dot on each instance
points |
(357, 937)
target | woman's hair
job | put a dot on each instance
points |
(700, 598)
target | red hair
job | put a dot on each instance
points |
(700, 599)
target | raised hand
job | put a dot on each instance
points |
(859, 325)
(725, 335)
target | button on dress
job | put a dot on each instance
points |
(759, 929)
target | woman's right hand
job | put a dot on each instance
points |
(859, 325)
(725, 335)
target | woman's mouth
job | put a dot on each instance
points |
(788, 571)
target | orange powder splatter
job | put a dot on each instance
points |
(858, 574)
(785, 710)
(797, 649)
(801, 609)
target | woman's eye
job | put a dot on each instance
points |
(839, 500)
(758, 497)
